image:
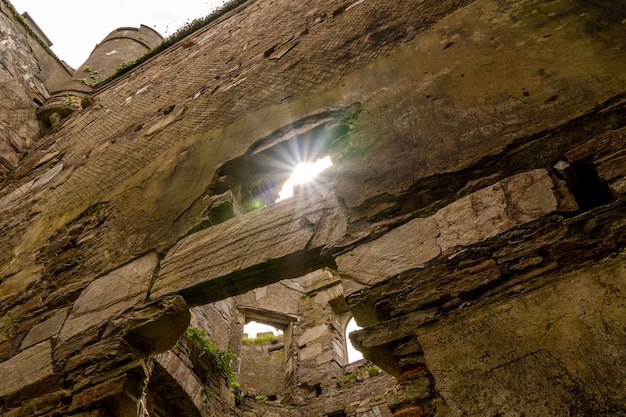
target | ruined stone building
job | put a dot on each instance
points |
(472, 223)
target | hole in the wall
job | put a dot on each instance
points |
(259, 176)
(586, 186)
(221, 213)
(353, 354)
(262, 369)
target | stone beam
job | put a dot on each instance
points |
(281, 241)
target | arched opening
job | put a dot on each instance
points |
(353, 354)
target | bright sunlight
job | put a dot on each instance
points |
(303, 174)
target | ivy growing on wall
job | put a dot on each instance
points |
(220, 358)
(30, 31)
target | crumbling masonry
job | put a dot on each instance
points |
(473, 222)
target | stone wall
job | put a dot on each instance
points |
(473, 217)
(22, 90)
(262, 367)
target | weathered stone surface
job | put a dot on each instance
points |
(477, 217)
(26, 368)
(448, 287)
(546, 351)
(44, 404)
(408, 392)
(109, 296)
(494, 210)
(21, 83)
(312, 334)
(311, 351)
(17, 283)
(45, 330)
(8, 156)
(15, 412)
(409, 246)
(268, 244)
(118, 390)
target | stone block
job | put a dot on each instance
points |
(26, 369)
(8, 157)
(45, 403)
(474, 218)
(153, 328)
(312, 334)
(529, 195)
(45, 330)
(493, 210)
(408, 392)
(108, 296)
(481, 215)
(311, 351)
(106, 389)
(407, 247)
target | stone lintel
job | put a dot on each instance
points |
(277, 242)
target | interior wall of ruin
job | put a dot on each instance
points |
(473, 216)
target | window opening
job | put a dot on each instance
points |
(291, 156)
(254, 329)
(353, 354)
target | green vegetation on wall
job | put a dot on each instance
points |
(181, 33)
(30, 31)
(220, 358)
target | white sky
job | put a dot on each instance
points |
(76, 27)
(354, 355)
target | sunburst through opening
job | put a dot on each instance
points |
(303, 174)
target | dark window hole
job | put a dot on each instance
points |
(586, 186)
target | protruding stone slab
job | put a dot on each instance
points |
(481, 215)
(25, 369)
(110, 295)
(409, 246)
(493, 210)
(267, 245)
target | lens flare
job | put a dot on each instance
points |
(303, 174)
